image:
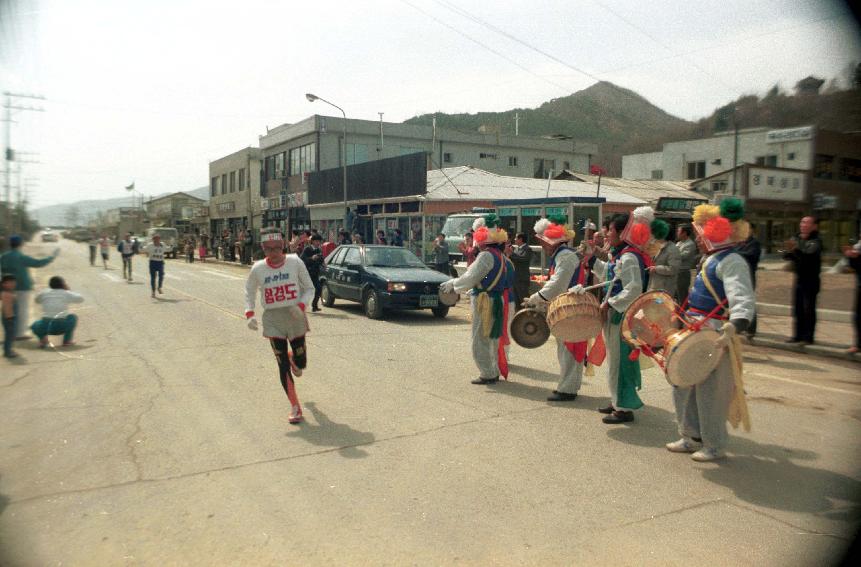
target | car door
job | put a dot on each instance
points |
(350, 274)
(333, 271)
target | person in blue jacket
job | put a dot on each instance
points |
(16, 263)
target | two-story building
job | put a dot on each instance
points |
(234, 192)
(174, 210)
(291, 152)
(782, 174)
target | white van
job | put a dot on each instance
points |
(169, 237)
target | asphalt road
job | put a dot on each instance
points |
(162, 438)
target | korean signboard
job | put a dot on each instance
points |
(776, 185)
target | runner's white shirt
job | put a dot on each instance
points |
(155, 252)
(280, 286)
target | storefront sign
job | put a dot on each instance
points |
(824, 201)
(776, 185)
(672, 204)
(531, 212)
(789, 135)
(508, 212)
(556, 211)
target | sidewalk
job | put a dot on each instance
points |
(832, 337)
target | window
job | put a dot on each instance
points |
(543, 167)
(213, 189)
(696, 169)
(224, 184)
(566, 165)
(823, 167)
(232, 181)
(512, 161)
(790, 156)
(717, 161)
(850, 169)
(337, 257)
(269, 164)
(771, 161)
(718, 186)
(446, 157)
(242, 179)
(657, 174)
(769, 180)
(352, 257)
(303, 159)
(357, 153)
(279, 165)
(483, 155)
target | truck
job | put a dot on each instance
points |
(456, 226)
(169, 237)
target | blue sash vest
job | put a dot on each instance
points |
(506, 281)
(700, 298)
(611, 272)
(575, 279)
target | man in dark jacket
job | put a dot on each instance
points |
(805, 253)
(521, 257)
(312, 255)
(853, 254)
(751, 250)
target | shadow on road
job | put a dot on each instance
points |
(540, 393)
(328, 433)
(165, 300)
(542, 375)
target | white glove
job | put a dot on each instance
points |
(726, 336)
(252, 324)
(447, 286)
(577, 289)
(56, 252)
(535, 300)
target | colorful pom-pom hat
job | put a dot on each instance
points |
(638, 231)
(721, 226)
(486, 230)
(553, 230)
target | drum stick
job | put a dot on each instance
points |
(602, 284)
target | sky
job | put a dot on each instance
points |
(151, 92)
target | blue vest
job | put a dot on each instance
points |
(575, 279)
(506, 280)
(611, 272)
(700, 298)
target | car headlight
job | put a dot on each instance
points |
(396, 286)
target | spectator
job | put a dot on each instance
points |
(381, 237)
(398, 238)
(201, 250)
(688, 258)
(328, 247)
(805, 253)
(55, 317)
(521, 257)
(468, 249)
(664, 273)
(7, 311)
(440, 254)
(93, 243)
(16, 263)
(248, 249)
(357, 239)
(751, 250)
(344, 237)
(312, 255)
(104, 247)
(853, 254)
(293, 245)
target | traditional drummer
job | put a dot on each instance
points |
(627, 278)
(491, 280)
(723, 295)
(565, 271)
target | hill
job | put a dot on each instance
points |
(57, 215)
(621, 121)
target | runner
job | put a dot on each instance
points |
(155, 252)
(104, 247)
(285, 290)
(127, 250)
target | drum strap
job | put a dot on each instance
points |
(720, 302)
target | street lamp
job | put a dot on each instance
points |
(312, 98)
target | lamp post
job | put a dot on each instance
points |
(312, 98)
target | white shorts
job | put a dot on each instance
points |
(284, 323)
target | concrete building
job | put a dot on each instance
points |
(291, 152)
(785, 174)
(234, 192)
(174, 210)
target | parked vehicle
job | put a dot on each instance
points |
(49, 236)
(381, 278)
(455, 227)
(169, 238)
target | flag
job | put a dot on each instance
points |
(597, 170)
(130, 187)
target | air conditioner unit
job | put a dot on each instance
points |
(264, 204)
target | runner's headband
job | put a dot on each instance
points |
(272, 237)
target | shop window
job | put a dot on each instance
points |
(850, 169)
(410, 207)
(390, 207)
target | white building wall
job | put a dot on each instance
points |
(641, 166)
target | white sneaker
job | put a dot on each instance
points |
(707, 454)
(683, 445)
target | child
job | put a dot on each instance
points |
(7, 298)
(55, 303)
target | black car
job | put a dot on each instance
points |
(380, 278)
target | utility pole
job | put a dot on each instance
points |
(382, 154)
(734, 150)
(8, 106)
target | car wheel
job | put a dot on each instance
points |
(372, 305)
(327, 296)
(440, 312)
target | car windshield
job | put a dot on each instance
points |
(164, 234)
(391, 258)
(457, 226)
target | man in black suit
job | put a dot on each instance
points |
(805, 253)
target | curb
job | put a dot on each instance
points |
(826, 350)
(821, 314)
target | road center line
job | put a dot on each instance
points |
(800, 383)
(112, 277)
(219, 274)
